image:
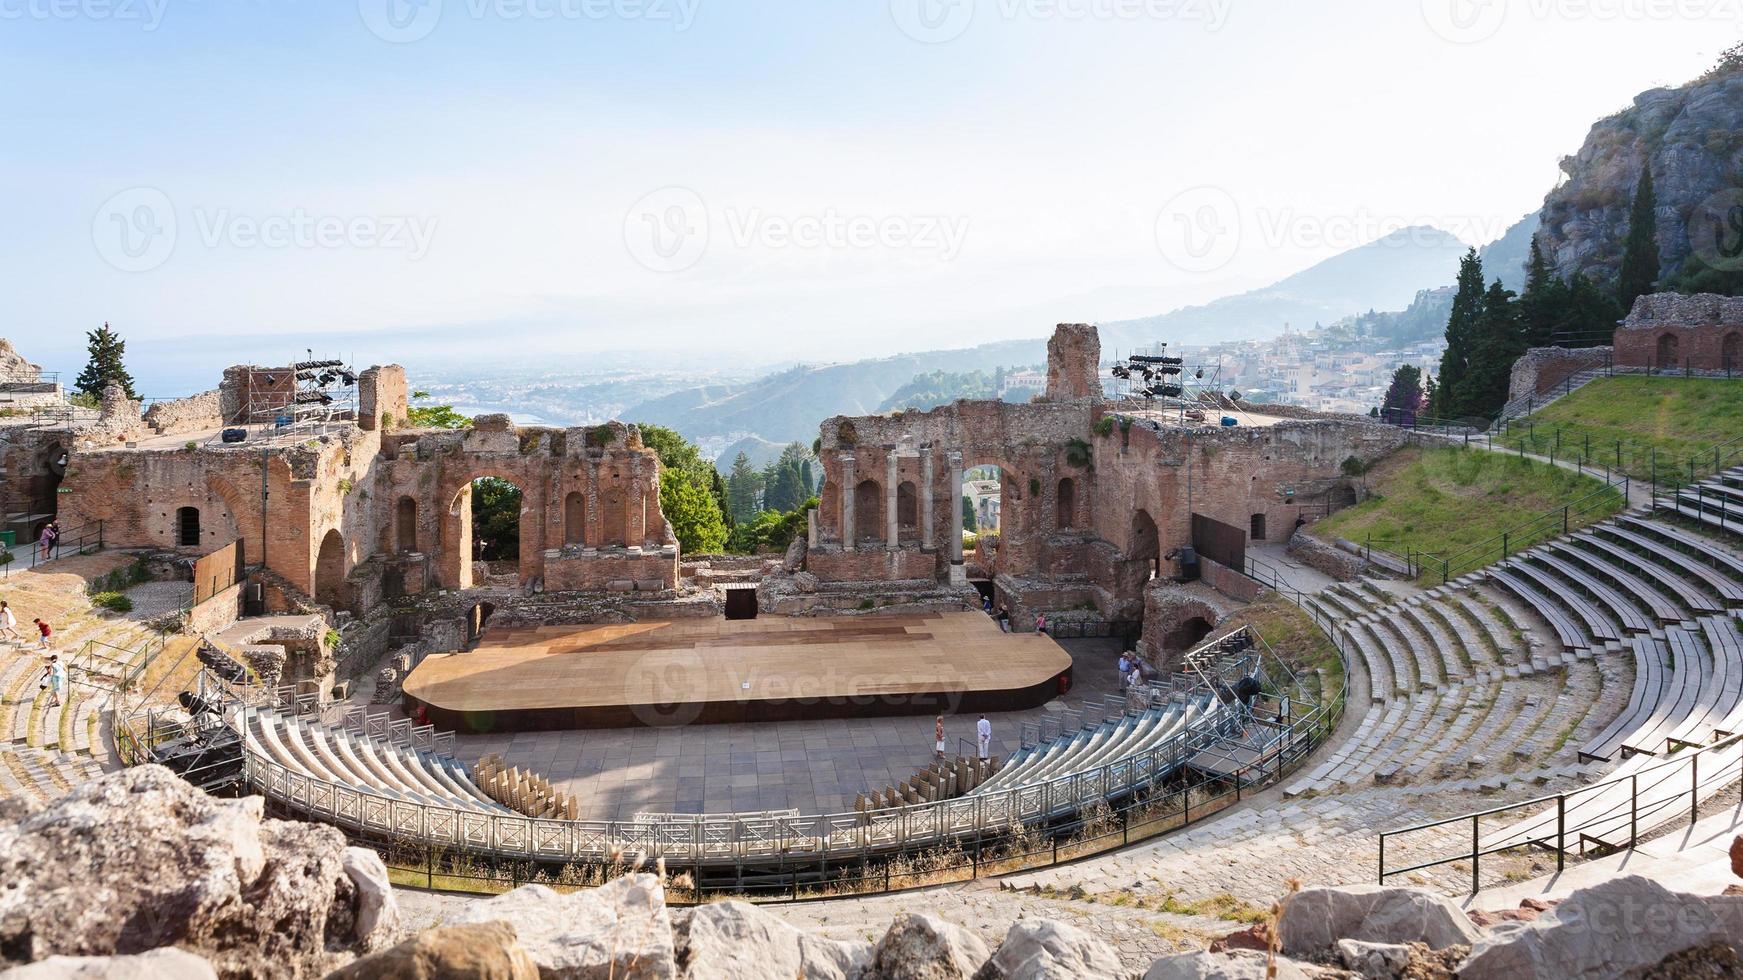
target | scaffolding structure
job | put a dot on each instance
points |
(310, 397)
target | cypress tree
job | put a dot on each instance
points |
(1461, 327)
(1542, 304)
(1639, 271)
(106, 349)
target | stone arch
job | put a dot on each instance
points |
(457, 535)
(187, 527)
(575, 518)
(907, 505)
(1065, 505)
(1668, 349)
(330, 570)
(405, 524)
(1145, 541)
(1731, 351)
(868, 511)
(614, 523)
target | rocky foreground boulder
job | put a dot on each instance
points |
(138, 876)
(139, 860)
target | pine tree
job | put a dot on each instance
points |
(1639, 271)
(1496, 343)
(1543, 302)
(106, 349)
(1461, 326)
(742, 485)
(1404, 397)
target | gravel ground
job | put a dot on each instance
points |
(154, 599)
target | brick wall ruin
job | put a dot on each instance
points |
(1675, 332)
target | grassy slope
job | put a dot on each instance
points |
(1444, 501)
(1292, 634)
(1678, 416)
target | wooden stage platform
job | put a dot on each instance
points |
(707, 671)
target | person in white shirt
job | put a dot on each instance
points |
(54, 679)
(9, 623)
(1125, 669)
(983, 731)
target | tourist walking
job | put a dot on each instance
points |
(9, 624)
(54, 679)
(1125, 671)
(983, 733)
(938, 737)
(1004, 618)
(50, 532)
(1041, 623)
(43, 633)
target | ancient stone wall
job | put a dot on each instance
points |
(1074, 363)
(1541, 369)
(381, 397)
(1675, 332)
(191, 414)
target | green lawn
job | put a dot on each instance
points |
(1447, 502)
(1625, 418)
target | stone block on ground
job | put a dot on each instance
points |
(167, 963)
(1314, 920)
(621, 930)
(1617, 926)
(925, 947)
(1040, 949)
(1237, 964)
(736, 941)
(479, 951)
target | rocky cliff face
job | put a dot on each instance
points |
(1693, 137)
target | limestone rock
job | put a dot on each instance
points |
(167, 963)
(794, 560)
(925, 947)
(736, 941)
(481, 951)
(377, 911)
(1038, 949)
(1232, 965)
(140, 859)
(805, 582)
(1607, 930)
(1375, 960)
(620, 930)
(1314, 920)
(1737, 856)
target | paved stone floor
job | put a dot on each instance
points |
(813, 767)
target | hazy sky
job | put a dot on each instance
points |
(818, 179)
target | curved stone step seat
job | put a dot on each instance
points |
(1651, 676)
(1473, 606)
(1677, 597)
(1573, 585)
(1371, 718)
(1688, 697)
(1704, 547)
(1636, 798)
(1705, 512)
(1661, 606)
(1663, 554)
(1346, 605)
(1725, 640)
(1391, 676)
(1526, 736)
(1455, 660)
(1505, 701)
(1562, 622)
(1453, 619)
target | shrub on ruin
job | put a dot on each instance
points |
(1105, 427)
(113, 601)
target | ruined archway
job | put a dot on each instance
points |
(1731, 351)
(868, 512)
(330, 570)
(1065, 506)
(187, 529)
(1145, 542)
(907, 508)
(575, 519)
(405, 519)
(497, 506)
(1668, 350)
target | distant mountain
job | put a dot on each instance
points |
(761, 452)
(1505, 257)
(1424, 320)
(1383, 275)
(788, 406)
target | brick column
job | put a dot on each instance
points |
(847, 484)
(927, 538)
(892, 529)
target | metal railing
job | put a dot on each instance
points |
(1655, 795)
(97, 659)
(77, 539)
